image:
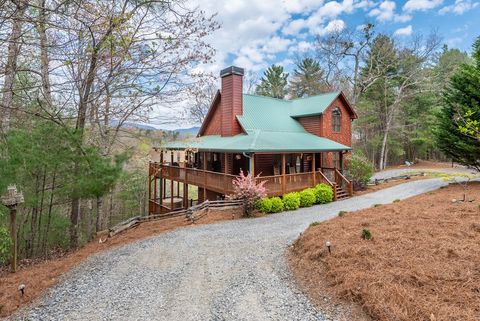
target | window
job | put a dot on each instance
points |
(336, 120)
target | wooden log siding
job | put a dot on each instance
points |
(264, 164)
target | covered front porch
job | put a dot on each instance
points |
(171, 173)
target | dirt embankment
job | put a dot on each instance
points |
(40, 276)
(422, 263)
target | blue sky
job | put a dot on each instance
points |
(257, 33)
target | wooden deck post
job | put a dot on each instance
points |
(204, 176)
(171, 194)
(341, 161)
(162, 185)
(284, 182)
(252, 165)
(225, 172)
(313, 169)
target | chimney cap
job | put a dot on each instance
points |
(232, 70)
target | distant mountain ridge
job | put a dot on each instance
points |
(181, 131)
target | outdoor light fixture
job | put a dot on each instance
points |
(21, 288)
(328, 244)
(238, 156)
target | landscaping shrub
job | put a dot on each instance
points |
(264, 205)
(291, 201)
(366, 234)
(323, 193)
(314, 223)
(359, 171)
(277, 205)
(307, 198)
(342, 213)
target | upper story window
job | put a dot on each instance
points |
(336, 120)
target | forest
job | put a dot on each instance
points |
(72, 73)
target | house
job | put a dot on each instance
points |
(290, 144)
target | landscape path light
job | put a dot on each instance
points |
(328, 244)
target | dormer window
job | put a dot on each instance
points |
(336, 120)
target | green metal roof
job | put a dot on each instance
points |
(270, 126)
(261, 141)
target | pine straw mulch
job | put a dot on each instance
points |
(41, 275)
(423, 262)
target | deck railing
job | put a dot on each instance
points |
(276, 185)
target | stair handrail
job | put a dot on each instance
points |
(343, 179)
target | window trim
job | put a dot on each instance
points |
(336, 114)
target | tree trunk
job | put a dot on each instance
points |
(44, 59)
(49, 215)
(381, 164)
(99, 223)
(74, 218)
(11, 65)
(89, 217)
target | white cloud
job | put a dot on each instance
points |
(459, 7)
(406, 31)
(385, 11)
(402, 18)
(294, 27)
(304, 46)
(421, 5)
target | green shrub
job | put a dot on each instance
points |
(5, 245)
(323, 193)
(359, 170)
(277, 205)
(291, 201)
(264, 205)
(307, 197)
(366, 234)
(377, 205)
(396, 201)
(342, 213)
(314, 223)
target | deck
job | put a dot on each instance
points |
(276, 185)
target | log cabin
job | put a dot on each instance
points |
(290, 144)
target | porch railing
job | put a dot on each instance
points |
(276, 185)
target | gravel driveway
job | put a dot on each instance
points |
(234, 270)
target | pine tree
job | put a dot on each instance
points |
(308, 79)
(461, 102)
(273, 82)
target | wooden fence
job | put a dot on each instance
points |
(192, 214)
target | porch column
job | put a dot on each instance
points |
(284, 182)
(340, 159)
(171, 158)
(225, 172)
(313, 169)
(161, 184)
(252, 165)
(204, 176)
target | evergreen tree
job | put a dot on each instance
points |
(273, 82)
(308, 79)
(461, 105)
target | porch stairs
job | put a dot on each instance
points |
(341, 193)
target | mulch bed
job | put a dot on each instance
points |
(423, 262)
(38, 276)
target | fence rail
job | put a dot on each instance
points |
(192, 214)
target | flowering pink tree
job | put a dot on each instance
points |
(245, 188)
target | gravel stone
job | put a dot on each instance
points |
(233, 270)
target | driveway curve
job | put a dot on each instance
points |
(233, 270)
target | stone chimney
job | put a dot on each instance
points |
(231, 101)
